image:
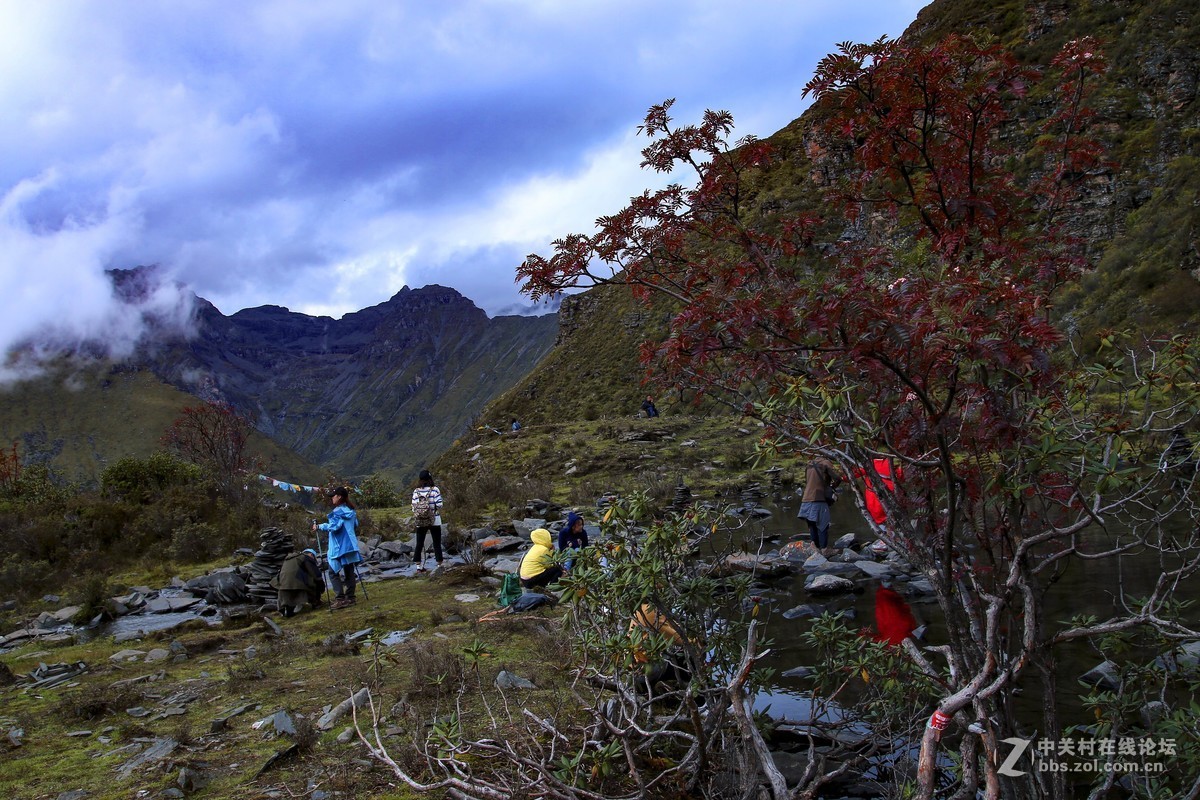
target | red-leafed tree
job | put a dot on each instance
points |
(214, 437)
(913, 322)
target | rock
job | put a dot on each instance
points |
(828, 584)
(845, 541)
(67, 614)
(221, 588)
(283, 724)
(798, 551)
(126, 656)
(467, 598)
(347, 735)
(798, 672)
(791, 765)
(526, 526)
(1153, 712)
(47, 622)
(760, 565)
(920, 586)
(137, 712)
(874, 569)
(1185, 658)
(190, 780)
(156, 655)
(1103, 676)
(815, 562)
(502, 544)
(15, 736)
(396, 549)
(169, 605)
(804, 611)
(358, 636)
(74, 794)
(51, 598)
(358, 700)
(507, 680)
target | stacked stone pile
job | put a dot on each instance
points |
(274, 547)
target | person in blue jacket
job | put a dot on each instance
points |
(342, 553)
(572, 536)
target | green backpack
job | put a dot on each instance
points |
(510, 589)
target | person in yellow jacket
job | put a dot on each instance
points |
(537, 567)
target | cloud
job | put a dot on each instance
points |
(321, 155)
(59, 299)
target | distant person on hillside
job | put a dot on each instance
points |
(427, 517)
(649, 408)
(300, 582)
(516, 426)
(820, 482)
(572, 536)
(342, 553)
(538, 569)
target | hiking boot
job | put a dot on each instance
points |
(351, 600)
(340, 602)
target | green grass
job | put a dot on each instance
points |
(297, 672)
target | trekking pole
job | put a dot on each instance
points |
(358, 579)
(324, 563)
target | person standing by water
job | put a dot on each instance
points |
(427, 517)
(342, 553)
(649, 408)
(820, 481)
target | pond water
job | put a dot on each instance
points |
(1086, 587)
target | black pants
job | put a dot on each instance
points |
(436, 532)
(343, 584)
(545, 578)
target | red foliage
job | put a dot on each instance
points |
(922, 316)
(213, 436)
(10, 469)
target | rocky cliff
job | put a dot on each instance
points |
(382, 389)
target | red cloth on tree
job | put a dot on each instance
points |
(882, 466)
(894, 620)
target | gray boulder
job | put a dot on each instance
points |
(507, 680)
(828, 584)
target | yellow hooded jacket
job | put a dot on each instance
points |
(537, 560)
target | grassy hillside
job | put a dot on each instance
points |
(79, 421)
(79, 736)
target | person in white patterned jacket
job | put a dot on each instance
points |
(427, 517)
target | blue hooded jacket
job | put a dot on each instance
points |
(568, 540)
(343, 541)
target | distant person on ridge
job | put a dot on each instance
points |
(300, 582)
(427, 517)
(342, 553)
(516, 426)
(649, 408)
(820, 480)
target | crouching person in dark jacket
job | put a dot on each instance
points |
(300, 582)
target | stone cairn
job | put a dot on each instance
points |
(274, 548)
(683, 497)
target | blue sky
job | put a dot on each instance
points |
(321, 155)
